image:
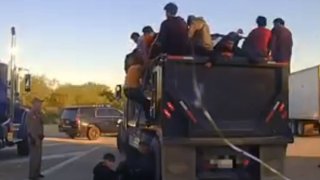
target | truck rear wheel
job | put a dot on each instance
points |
(23, 148)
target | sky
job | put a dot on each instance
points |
(76, 41)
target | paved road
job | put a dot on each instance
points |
(65, 159)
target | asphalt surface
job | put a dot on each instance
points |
(74, 159)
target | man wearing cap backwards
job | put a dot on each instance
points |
(35, 134)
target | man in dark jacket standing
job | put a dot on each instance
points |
(173, 35)
(281, 42)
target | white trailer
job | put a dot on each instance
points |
(304, 99)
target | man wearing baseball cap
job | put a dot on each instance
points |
(36, 135)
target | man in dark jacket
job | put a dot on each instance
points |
(281, 42)
(173, 35)
(104, 170)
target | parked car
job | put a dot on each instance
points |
(89, 121)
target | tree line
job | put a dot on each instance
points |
(58, 95)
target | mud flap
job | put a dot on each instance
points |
(178, 163)
(273, 155)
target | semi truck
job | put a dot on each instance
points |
(248, 104)
(304, 99)
(13, 129)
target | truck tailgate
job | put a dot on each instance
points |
(239, 98)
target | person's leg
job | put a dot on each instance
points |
(40, 159)
(32, 162)
(37, 159)
(137, 95)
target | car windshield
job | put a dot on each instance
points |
(69, 113)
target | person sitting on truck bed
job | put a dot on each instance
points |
(257, 43)
(173, 35)
(149, 37)
(132, 88)
(200, 35)
(281, 42)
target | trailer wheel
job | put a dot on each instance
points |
(300, 128)
(23, 148)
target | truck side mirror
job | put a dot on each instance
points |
(27, 82)
(118, 92)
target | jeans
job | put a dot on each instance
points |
(136, 94)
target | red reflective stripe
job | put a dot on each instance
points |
(193, 119)
(270, 115)
(167, 113)
(170, 106)
(282, 106)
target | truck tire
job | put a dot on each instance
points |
(93, 133)
(300, 128)
(23, 148)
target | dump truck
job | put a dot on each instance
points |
(304, 99)
(248, 104)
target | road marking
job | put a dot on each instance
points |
(48, 157)
(68, 161)
(44, 145)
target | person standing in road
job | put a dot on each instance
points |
(36, 135)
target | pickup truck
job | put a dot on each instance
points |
(247, 102)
